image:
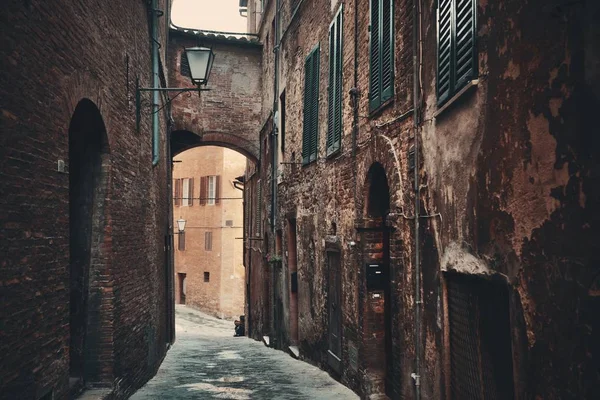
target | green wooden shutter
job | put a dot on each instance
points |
(307, 109)
(444, 68)
(331, 91)
(334, 126)
(387, 51)
(375, 50)
(457, 61)
(464, 48)
(314, 134)
(338, 84)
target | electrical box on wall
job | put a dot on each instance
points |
(377, 276)
(294, 282)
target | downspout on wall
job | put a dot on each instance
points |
(274, 151)
(417, 278)
(155, 83)
(276, 118)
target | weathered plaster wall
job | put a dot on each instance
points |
(509, 167)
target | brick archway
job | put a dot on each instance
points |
(229, 113)
(90, 306)
(182, 140)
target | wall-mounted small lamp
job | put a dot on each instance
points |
(181, 225)
(200, 60)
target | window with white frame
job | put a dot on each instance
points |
(185, 196)
(212, 190)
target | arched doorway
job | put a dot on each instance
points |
(208, 184)
(376, 304)
(88, 161)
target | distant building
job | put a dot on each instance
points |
(209, 271)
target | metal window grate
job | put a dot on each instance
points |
(480, 340)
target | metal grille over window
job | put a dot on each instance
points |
(480, 341)
(457, 61)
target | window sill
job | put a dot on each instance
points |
(375, 113)
(334, 153)
(471, 84)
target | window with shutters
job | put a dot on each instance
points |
(456, 50)
(310, 135)
(334, 109)
(207, 241)
(381, 50)
(177, 192)
(185, 196)
(210, 188)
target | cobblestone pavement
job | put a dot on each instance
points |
(207, 362)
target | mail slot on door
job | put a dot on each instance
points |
(376, 276)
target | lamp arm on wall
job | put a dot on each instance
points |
(138, 100)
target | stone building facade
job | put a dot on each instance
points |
(84, 277)
(426, 176)
(209, 273)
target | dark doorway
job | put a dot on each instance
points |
(182, 286)
(480, 339)
(293, 271)
(377, 315)
(334, 300)
(88, 146)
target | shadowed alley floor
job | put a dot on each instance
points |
(207, 362)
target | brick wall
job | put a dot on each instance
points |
(228, 114)
(54, 55)
(505, 187)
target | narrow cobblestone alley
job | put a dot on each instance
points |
(207, 362)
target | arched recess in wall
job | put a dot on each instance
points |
(376, 299)
(182, 140)
(90, 347)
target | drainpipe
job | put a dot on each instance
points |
(416, 108)
(354, 93)
(155, 84)
(274, 168)
(276, 117)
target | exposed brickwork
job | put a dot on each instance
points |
(54, 55)
(505, 190)
(228, 114)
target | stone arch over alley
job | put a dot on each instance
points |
(228, 114)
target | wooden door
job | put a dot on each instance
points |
(335, 312)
